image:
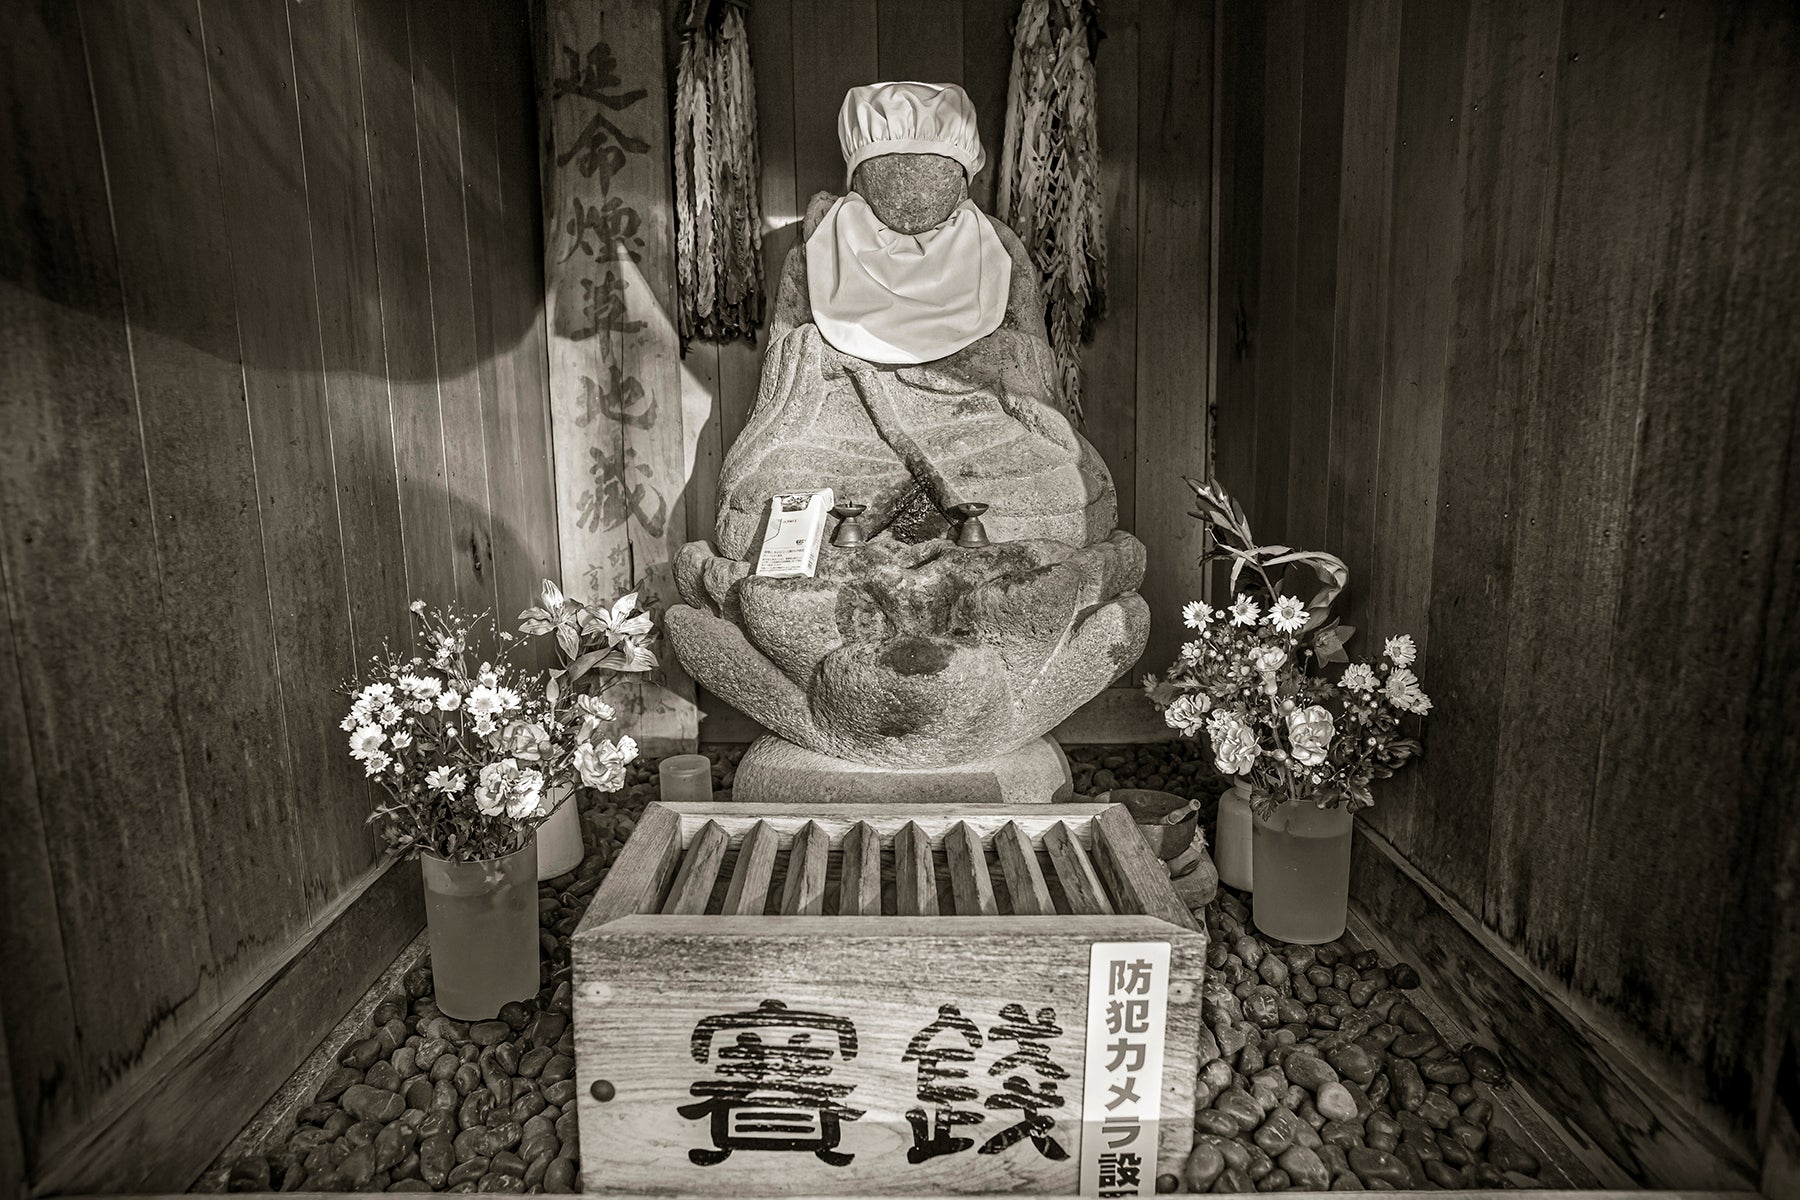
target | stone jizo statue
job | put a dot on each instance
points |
(907, 369)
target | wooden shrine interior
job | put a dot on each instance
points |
(1495, 299)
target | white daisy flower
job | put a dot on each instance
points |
(376, 763)
(420, 687)
(401, 739)
(1196, 614)
(1358, 678)
(1403, 691)
(484, 701)
(447, 780)
(366, 741)
(1401, 651)
(509, 699)
(390, 713)
(1244, 611)
(1288, 615)
(449, 700)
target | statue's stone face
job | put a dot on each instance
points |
(911, 192)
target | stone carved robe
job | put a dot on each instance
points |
(911, 442)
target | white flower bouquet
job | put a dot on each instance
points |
(1257, 677)
(469, 755)
(598, 646)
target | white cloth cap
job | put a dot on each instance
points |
(890, 297)
(908, 118)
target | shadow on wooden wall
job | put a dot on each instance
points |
(273, 365)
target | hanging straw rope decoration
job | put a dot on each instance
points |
(1049, 173)
(718, 177)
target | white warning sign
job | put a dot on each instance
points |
(1128, 1013)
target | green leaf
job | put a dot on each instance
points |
(587, 662)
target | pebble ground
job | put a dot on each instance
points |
(1316, 1071)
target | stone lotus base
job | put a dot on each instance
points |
(774, 770)
(911, 655)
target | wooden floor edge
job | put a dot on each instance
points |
(1601, 1099)
(179, 1112)
(1474, 1194)
(1563, 1169)
(269, 1125)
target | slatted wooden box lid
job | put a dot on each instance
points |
(880, 999)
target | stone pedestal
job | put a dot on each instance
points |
(776, 771)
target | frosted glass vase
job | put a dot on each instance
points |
(685, 778)
(559, 849)
(482, 920)
(1302, 867)
(1232, 839)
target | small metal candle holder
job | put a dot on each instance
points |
(849, 533)
(972, 533)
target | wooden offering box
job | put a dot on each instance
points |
(884, 999)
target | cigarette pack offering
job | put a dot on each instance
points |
(796, 530)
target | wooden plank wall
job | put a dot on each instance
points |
(1147, 388)
(271, 363)
(1518, 342)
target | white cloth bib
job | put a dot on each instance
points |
(891, 297)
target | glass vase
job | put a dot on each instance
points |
(559, 849)
(482, 919)
(685, 778)
(1232, 853)
(1302, 868)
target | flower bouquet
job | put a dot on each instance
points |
(470, 755)
(597, 646)
(464, 752)
(1297, 724)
